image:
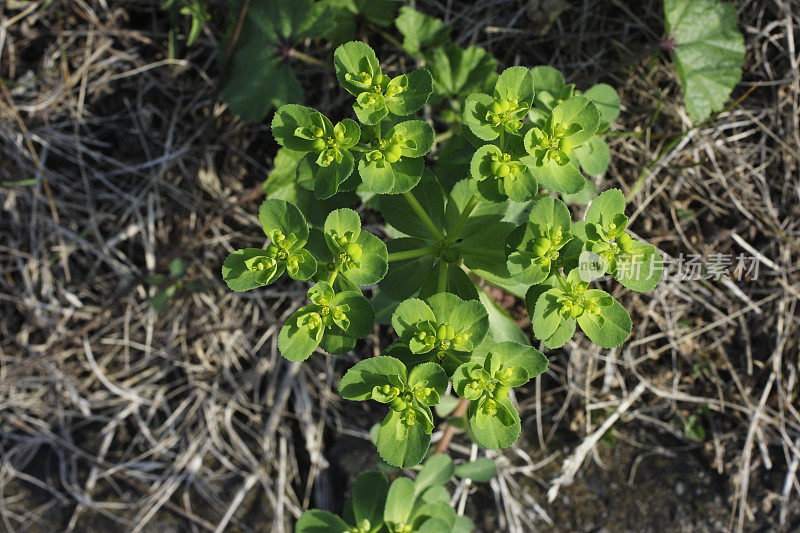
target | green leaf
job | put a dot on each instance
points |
(437, 470)
(639, 269)
(280, 215)
(515, 83)
(462, 524)
(369, 498)
(581, 111)
(475, 107)
(408, 314)
(401, 445)
(410, 100)
(466, 317)
(510, 354)
(554, 177)
(364, 376)
(453, 160)
(343, 223)
(361, 315)
(593, 155)
(383, 177)
(305, 266)
(296, 343)
(420, 31)
(284, 172)
(354, 58)
(160, 299)
(495, 431)
(501, 326)
(370, 112)
(400, 501)
(433, 525)
(606, 207)
(550, 87)
(607, 101)
(709, 52)
(457, 282)
(291, 119)
(546, 318)
(584, 196)
(431, 375)
(563, 333)
(486, 167)
(610, 326)
(318, 521)
(417, 137)
(457, 71)
(373, 265)
(383, 306)
(481, 470)
(241, 269)
(257, 78)
(324, 180)
(404, 278)
(177, 268)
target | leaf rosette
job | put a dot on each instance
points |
(443, 329)
(635, 264)
(327, 162)
(556, 312)
(377, 95)
(404, 434)
(394, 164)
(493, 419)
(287, 229)
(534, 248)
(333, 321)
(551, 141)
(489, 117)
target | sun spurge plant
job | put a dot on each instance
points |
(404, 506)
(450, 237)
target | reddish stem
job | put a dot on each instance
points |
(449, 429)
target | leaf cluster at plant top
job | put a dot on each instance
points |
(493, 224)
(421, 505)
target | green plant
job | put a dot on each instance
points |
(494, 224)
(259, 76)
(708, 50)
(404, 506)
(170, 285)
(191, 8)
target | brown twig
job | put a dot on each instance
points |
(449, 429)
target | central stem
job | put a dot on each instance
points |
(423, 216)
(442, 284)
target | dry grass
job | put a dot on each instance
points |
(113, 414)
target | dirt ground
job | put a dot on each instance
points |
(116, 159)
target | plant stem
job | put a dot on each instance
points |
(450, 430)
(496, 254)
(333, 275)
(462, 218)
(305, 58)
(411, 254)
(441, 286)
(423, 216)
